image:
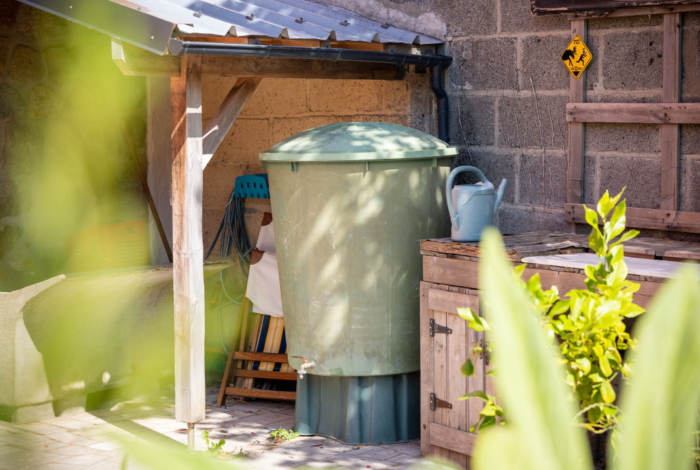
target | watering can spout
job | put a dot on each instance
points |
(499, 195)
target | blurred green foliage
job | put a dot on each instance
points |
(543, 431)
(588, 325)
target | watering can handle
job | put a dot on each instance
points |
(448, 189)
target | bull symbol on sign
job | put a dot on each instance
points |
(568, 55)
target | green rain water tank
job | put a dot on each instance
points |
(351, 202)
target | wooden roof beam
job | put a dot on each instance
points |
(136, 62)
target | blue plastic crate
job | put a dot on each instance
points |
(252, 186)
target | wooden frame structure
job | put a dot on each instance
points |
(192, 148)
(669, 115)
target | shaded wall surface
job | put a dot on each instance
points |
(508, 92)
(65, 162)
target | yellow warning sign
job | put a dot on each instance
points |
(576, 57)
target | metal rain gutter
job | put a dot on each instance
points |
(436, 63)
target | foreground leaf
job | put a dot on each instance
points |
(530, 382)
(659, 403)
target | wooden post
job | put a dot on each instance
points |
(188, 274)
(577, 94)
(670, 133)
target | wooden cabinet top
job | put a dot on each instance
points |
(522, 245)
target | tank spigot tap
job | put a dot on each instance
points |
(307, 365)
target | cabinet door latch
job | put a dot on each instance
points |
(435, 328)
(435, 402)
(485, 353)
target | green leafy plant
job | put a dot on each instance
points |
(282, 434)
(213, 447)
(588, 324)
(657, 428)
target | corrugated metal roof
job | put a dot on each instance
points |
(265, 19)
(290, 19)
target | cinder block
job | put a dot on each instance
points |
(345, 96)
(521, 125)
(37, 24)
(278, 97)
(641, 176)
(395, 96)
(245, 141)
(516, 16)
(4, 51)
(214, 90)
(643, 21)
(541, 62)
(690, 189)
(474, 120)
(26, 65)
(517, 220)
(495, 167)
(467, 18)
(590, 179)
(8, 14)
(484, 64)
(690, 139)
(628, 138)
(690, 62)
(542, 180)
(633, 60)
(282, 128)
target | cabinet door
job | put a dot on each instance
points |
(446, 342)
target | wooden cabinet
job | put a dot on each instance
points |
(446, 341)
(450, 281)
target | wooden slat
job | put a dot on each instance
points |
(639, 11)
(549, 7)
(634, 113)
(232, 106)
(456, 383)
(670, 133)
(476, 381)
(255, 393)
(576, 152)
(449, 302)
(264, 357)
(465, 274)
(452, 439)
(426, 375)
(440, 379)
(188, 272)
(266, 374)
(655, 219)
(450, 272)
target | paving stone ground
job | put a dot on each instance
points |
(85, 440)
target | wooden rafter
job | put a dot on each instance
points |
(577, 94)
(219, 126)
(634, 113)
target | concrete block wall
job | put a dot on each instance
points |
(508, 92)
(281, 108)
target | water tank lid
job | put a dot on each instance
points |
(358, 141)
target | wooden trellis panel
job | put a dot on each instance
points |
(669, 114)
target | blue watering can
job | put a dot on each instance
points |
(472, 206)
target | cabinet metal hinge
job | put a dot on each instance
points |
(485, 353)
(435, 328)
(435, 402)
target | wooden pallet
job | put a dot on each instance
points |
(237, 367)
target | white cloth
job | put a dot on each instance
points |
(266, 239)
(263, 278)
